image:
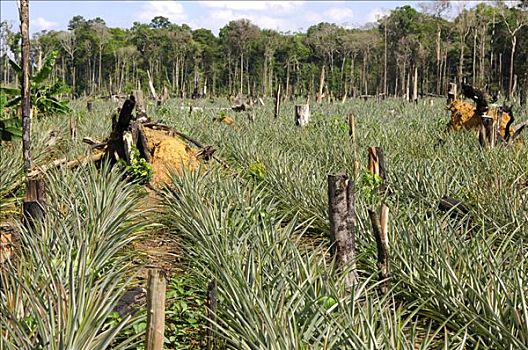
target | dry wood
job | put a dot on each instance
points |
(140, 103)
(26, 94)
(352, 137)
(380, 220)
(488, 131)
(211, 315)
(302, 115)
(382, 243)
(155, 310)
(321, 85)
(115, 149)
(454, 206)
(139, 139)
(34, 206)
(151, 86)
(342, 216)
(73, 128)
(277, 101)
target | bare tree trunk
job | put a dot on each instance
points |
(287, 89)
(438, 61)
(474, 65)
(352, 76)
(510, 81)
(321, 85)
(26, 92)
(415, 84)
(241, 72)
(385, 91)
(100, 77)
(461, 61)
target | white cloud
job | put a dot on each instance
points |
(43, 24)
(338, 14)
(220, 18)
(173, 10)
(376, 14)
(253, 5)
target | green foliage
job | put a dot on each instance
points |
(139, 169)
(43, 96)
(185, 322)
(369, 184)
(256, 171)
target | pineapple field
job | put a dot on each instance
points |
(233, 210)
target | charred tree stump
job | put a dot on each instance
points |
(453, 206)
(140, 141)
(342, 214)
(116, 148)
(211, 315)
(155, 310)
(34, 202)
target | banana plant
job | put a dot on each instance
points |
(43, 95)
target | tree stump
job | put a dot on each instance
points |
(116, 148)
(302, 115)
(342, 214)
(34, 206)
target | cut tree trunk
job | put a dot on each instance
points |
(342, 216)
(302, 114)
(116, 149)
(34, 202)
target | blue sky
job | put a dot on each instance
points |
(279, 15)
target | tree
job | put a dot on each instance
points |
(515, 20)
(26, 95)
(238, 35)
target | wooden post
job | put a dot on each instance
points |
(34, 205)
(211, 315)
(277, 102)
(380, 220)
(342, 214)
(73, 128)
(155, 309)
(487, 131)
(352, 137)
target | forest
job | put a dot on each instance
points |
(164, 187)
(409, 52)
